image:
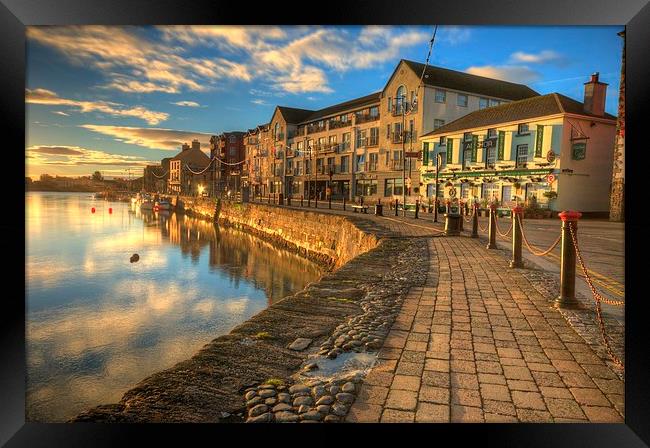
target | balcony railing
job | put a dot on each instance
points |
(336, 124)
(296, 133)
(366, 118)
(373, 140)
(371, 166)
(343, 147)
(396, 137)
(315, 128)
(396, 165)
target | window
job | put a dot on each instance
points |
(393, 187)
(332, 140)
(464, 191)
(467, 137)
(307, 166)
(374, 111)
(374, 136)
(233, 152)
(397, 132)
(482, 103)
(467, 156)
(441, 96)
(321, 142)
(522, 155)
(492, 133)
(345, 144)
(345, 164)
(400, 99)
(374, 160)
(310, 144)
(299, 168)
(276, 131)
(490, 156)
(425, 153)
(330, 165)
(438, 124)
(344, 118)
(494, 102)
(491, 191)
(443, 141)
(361, 160)
(319, 166)
(366, 187)
(361, 138)
(522, 129)
(461, 100)
(397, 155)
(299, 146)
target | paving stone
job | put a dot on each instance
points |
(406, 382)
(405, 400)
(396, 416)
(432, 413)
(598, 414)
(528, 400)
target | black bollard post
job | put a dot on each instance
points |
(301, 199)
(396, 206)
(462, 219)
(492, 228)
(417, 208)
(516, 261)
(567, 298)
(475, 222)
(343, 202)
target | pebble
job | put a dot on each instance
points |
(312, 415)
(303, 400)
(252, 402)
(304, 408)
(258, 410)
(266, 393)
(348, 387)
(311, 366)
(327, 399)
(270, 401)
(282, 407)
(334, 390)
(267, 386)
(323, 409)
(298, 388)
(332, 419)
(250, 395)
(284, 397)
(286, 417)
(300, 344)
(318, 391)
(344, 397)
(339, 409)
(264, 418)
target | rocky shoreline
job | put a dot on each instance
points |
(274, 367)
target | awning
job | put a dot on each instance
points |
(500, 173)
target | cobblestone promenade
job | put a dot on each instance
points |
(478, 343)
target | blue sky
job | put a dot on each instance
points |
(117, 98)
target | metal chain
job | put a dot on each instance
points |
(530, 247)
(597, 298)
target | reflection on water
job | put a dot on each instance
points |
(97, 324)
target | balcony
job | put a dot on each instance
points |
(370, 166)
(311, 129)
(297, 133)
(396, 165)
(337, 124)
(396, 137)
(366, 118)
(373, 140)
(343, 147)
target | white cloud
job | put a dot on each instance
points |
(47, 97)
(452, 35)
(155, 138)
(260, 102)
(77, 156)
(187, 103)
(543, 57)
(513, 73)
(58, 112)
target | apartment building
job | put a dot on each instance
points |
(366, 146)
(227, 147)
(549, 149)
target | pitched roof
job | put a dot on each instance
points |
(293, 115)
(465, 82)
(195, 157)
(347, 105)
(539, 106)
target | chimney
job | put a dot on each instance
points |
(185, 147)
(595, 92)
(196, 144)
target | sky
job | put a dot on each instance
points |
(115, 99)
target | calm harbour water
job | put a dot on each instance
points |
(98, 324)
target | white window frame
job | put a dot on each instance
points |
(519, 161)
(462, 95)
(440, 92)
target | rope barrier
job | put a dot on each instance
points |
(597, 299)
(160, 177)
(530, 246)
(482, 229)
(496, 222)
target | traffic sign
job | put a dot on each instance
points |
(550, 178)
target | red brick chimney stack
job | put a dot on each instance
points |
(595, 93)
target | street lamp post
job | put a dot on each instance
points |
(329, 187)
(316, 182)
(435, 200)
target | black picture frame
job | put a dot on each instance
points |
(634, 14)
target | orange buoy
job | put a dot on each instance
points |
(92, 210)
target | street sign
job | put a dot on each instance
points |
(550, 178)
(412, 153)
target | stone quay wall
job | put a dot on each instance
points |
(359, 299)
(330, 240)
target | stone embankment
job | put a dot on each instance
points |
(266, 369)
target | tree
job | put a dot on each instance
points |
(97, 176)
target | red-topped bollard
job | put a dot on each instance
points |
(516, 262)
(448, 206)
(475, 221)
(492, 227)
(567, 297)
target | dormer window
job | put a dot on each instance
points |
(443, 141)
(522, 129)
(467, 137)
(491, 133)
